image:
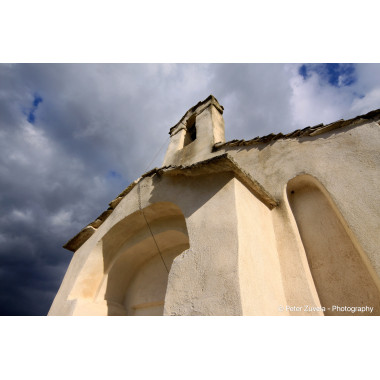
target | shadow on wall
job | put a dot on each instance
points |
(339, 268)
(190, 192)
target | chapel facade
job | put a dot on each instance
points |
(277, 225)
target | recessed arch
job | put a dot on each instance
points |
(127, 272)
(342, 275)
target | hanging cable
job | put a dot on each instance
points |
(155, 156)
(150, 230)
(140, 207)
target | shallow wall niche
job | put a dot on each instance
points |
(340, 275)
(134, 266)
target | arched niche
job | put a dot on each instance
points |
(127, 272)
(341, 273)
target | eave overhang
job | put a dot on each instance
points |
(219, 164)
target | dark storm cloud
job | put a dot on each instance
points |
(73, 136)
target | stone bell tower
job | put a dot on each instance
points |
(194, 136)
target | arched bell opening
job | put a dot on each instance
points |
(341, 275)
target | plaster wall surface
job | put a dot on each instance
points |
(204, 279)
(259, 266)
(346, 163)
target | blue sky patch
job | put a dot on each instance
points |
(303, 72)
(112, 174)
(31, 113)
(37, 100)
(335, 74)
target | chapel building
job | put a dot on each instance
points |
(277, 225)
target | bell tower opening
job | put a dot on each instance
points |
(191, 130)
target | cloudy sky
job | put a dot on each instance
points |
(73, 136)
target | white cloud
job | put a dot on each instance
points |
(315, 101)
(62, 219)
(25, 216)
(369, 102)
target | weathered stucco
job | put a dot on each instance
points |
(259, 227)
